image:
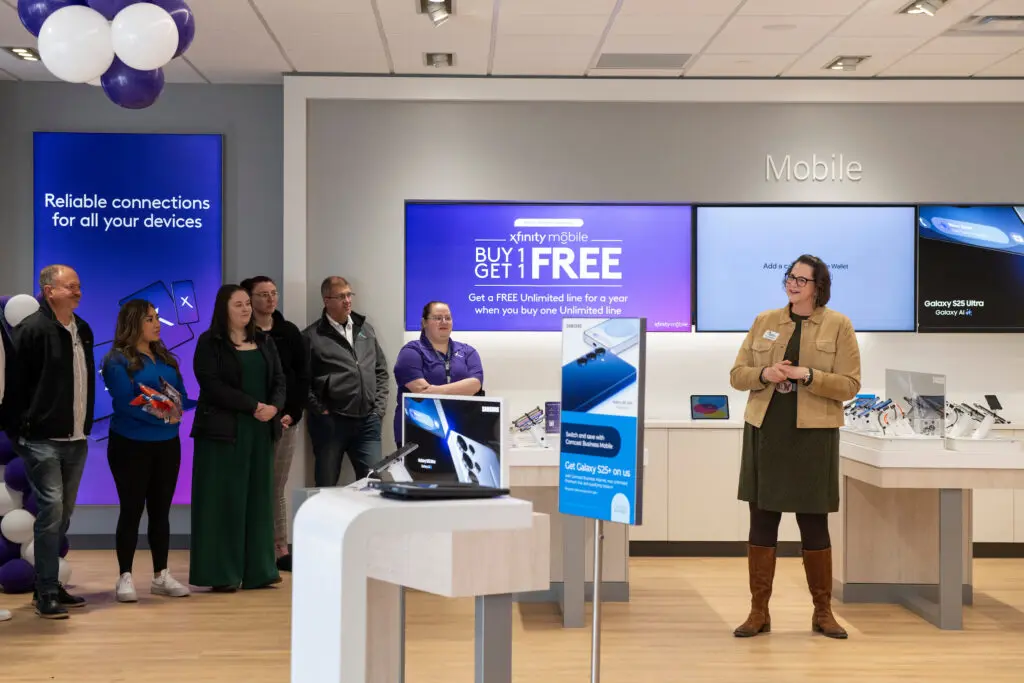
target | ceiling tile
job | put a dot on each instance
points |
(967, 45)
(666, 24)
(1005, 7)
(740, 65)
(653, 44)
(547, 44)
(748, 35)
(881, 18)
(401, 16)
(243, 76)
(232, 40)
(603, 7)
(1010, 67)
(26, 71)
(941, 65)
(553, 25)
(635, 73)
(4, 76)
(800, 7)
(882, 53)
(680, 7)
(178, 71)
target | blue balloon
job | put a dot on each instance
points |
(16, 477)
(8, 551)
(7, 453)
(131, 88)
(183, 18)
(110, 8)
(17, 576)
(34, 12)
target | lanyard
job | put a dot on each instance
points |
(448, 364)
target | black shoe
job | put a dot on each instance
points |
(48, 607)
(284, 563)
(68, 600)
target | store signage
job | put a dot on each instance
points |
(817, 169)
(602, 415)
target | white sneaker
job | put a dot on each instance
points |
(4, 615)
(167, 585)
(125, 590)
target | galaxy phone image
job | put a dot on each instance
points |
(593, 378)
(427, 415)
(615, 335)
(172, 334)
(184, 293)
(474, 462)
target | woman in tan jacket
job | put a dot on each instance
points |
(799, 363)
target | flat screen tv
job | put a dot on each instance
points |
(524, 267)
(743, 253)
(971, 269)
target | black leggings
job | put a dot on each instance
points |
(764, 529)
(146, 474)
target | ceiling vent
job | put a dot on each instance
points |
(640, 61)
(996, 25)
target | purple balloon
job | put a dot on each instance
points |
(17, 576)
(30, 504)
(110, 8)
(64, 546)
(8, 551)
(131, 88)
(33, 13)
(7, 453)
(183, 18)
(16, 477)
(3, 301)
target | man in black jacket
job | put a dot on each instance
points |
(349, 382)
(49, 408)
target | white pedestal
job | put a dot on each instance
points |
(903, 532)
(354, 551)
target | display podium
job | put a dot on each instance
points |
(903, 534)
(355, 552)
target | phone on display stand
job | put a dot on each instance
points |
(593, 378)
(615, 335)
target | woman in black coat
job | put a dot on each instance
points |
(241, 390)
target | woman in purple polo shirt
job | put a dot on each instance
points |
(435, 363)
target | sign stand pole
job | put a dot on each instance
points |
(595, 653)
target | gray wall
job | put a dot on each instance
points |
(249, 117)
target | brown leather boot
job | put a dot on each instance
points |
(818, 568)
(761, 567)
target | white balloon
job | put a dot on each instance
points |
(28, 552)
(19, 307)
(74, 44)
(97, 82)
(7, 501)
(64, 571)
(144, 36)
(16, 526)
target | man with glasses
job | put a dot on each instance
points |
(348, 386)
(49, 409)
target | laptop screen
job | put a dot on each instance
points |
(459, 438)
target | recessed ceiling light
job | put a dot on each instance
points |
(26, 53)
(439, 60)
(439, 11)
(926, 7)
(779, 27)
(846, 63)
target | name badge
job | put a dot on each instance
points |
(771, 336)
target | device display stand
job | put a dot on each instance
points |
(595, 636)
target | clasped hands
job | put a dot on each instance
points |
(782, 371)
(264, 413)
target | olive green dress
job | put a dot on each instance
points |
(785, 469)
(233, 497)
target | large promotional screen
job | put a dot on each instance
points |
(743, 253)
(137, 216)
(459, 438)
(971, 268)
(524, 267)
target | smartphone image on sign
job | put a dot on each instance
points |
(615, 335)
(474, 462)
(184, 293)
(172, 334)
(593, 378)
(103, 406)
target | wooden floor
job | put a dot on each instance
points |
(677, 628)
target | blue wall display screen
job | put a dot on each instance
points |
(971, 268)
(137, 216)
(743, 253)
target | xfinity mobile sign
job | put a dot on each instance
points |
(816, 169)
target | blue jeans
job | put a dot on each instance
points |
(333, 436)
(55, 471)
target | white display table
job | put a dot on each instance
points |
(903, 531)
(532, 473)
(354, 551)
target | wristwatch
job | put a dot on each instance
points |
(808, 377)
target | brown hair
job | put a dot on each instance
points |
(129, 331)
(822, 277)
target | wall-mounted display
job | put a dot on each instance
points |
(971, 268)
(524, 267)
(137, 217)
(743, 253)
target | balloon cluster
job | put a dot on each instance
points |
(18, 505)
(121, 45)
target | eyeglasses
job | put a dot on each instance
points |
(346, 296)
(266, 295)
(441, 318)
(802, 281)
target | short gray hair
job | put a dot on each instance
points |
(329, 282)
(50, 273)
